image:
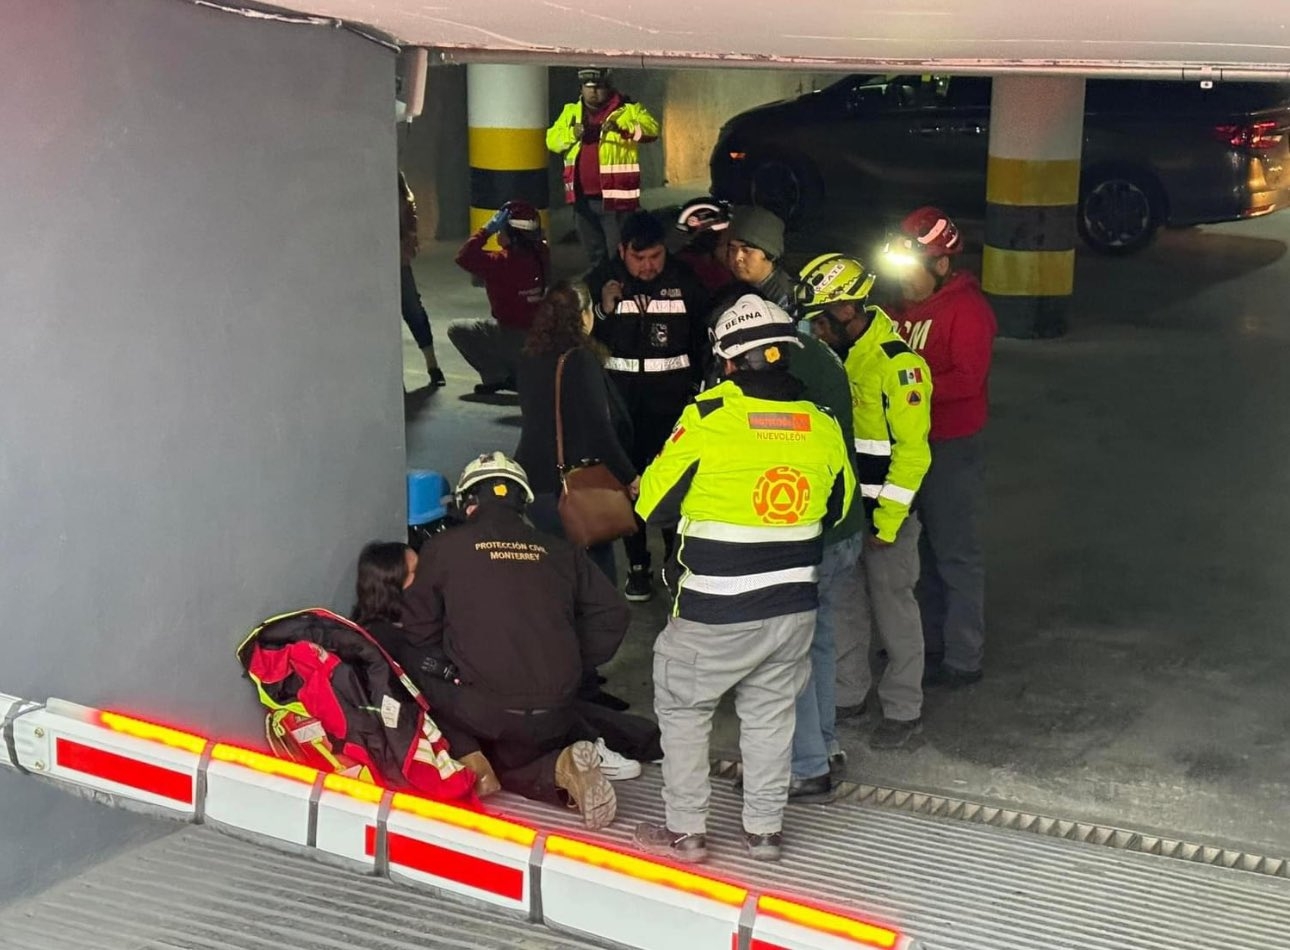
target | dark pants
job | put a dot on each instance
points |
(951, 586)
(599, 231)
(544, 512)
(414, 314)
(523, 747)
(651, 428)
(637, 545)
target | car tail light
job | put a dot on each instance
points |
(1256, 136)
(738, 156)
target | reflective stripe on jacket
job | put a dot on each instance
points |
(754, 482)
(620, 170)
(891, 398)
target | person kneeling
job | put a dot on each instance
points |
(517, 615)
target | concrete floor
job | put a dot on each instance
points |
(1137, 546)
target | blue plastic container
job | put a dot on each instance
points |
(426, 492)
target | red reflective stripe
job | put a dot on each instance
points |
(756, 944)
(444, 862)
(117, 768)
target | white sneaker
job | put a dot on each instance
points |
(615, 767)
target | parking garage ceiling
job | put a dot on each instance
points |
(1168, 38)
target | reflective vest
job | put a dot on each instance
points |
(891, 399)
(620, 170)
(758, 477)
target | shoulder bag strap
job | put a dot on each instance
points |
(559, 416)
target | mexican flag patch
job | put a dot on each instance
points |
(908, 377)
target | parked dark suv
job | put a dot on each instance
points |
(1155, 153)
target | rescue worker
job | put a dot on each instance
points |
(755, 243)
(819, 762)
(510, 665)
(891, 391)
(650, 313)
(515, 281)
(599, 137)
(946, 318)
(753, 473)
(704, 221)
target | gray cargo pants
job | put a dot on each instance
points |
(766, 663)
(951, 589)
(886, 583)
(490, 348)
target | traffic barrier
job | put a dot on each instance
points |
(570, 884)
(346, 809)
(456, 850)
(142, 762)
(259, 793)
(783, 924)
(634, 901)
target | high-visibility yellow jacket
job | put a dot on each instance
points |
(891, 399)
(751, 475)
(620, 169)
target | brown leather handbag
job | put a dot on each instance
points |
(594, 505)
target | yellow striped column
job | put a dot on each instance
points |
(506, 109)
(1032, 190)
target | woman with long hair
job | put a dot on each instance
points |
(385, 571)
(594, 422)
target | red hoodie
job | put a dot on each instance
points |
(514, 279)
(954, 331)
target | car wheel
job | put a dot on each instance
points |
(1119, 212)
(784, 186)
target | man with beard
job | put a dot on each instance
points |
(649, 312)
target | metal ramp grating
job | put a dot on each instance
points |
(971, 885)
(958, 809)
(200, 890)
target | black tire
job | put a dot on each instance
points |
(1119, 211)
(784, 185)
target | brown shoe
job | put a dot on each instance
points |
(577, 771)
(485, 778)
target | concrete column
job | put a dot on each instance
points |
(506, 108)
(1032, 190)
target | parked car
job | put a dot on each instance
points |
(1155, 153)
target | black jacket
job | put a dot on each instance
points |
(664, 318)
(591, 430)
(518, 612)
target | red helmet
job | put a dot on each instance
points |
(930, 231)
(522, 216)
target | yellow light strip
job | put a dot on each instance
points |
(645, 870)
(139, 729)
(363, 791)
(871, 935)
(461, 818)
(264, 763)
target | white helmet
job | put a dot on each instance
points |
(749, 323)
(492, 465)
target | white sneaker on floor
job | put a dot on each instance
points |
(615, 767)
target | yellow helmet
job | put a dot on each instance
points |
(832, 278)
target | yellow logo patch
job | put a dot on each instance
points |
(781, 495)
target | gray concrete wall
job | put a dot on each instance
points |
(200, 408)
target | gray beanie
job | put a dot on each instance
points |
(758, 227)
